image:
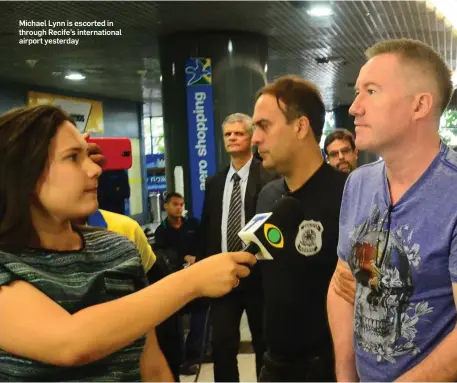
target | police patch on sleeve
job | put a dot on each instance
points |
(309, 238)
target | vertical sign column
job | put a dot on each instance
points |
(200, 125)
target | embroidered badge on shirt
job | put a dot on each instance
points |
(309, 238)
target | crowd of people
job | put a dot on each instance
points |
(366, 292)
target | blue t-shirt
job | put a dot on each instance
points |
(404, 257)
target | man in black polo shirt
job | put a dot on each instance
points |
(177, 240)
(177, 232)
(289, 117)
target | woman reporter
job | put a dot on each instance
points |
(74, 301)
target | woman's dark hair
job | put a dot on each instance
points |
(25, 136)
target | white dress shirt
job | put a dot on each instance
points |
(244, 175)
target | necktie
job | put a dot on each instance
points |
(234, 218)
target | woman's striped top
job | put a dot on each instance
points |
(107, 267)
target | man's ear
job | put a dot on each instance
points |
(422, 105)
(303, 127)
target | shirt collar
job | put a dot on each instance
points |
(243, 172)
(166, 224)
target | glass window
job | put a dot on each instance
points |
(153, 135)
(147, 135)
(448, 127)
(329, 126)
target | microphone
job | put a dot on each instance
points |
(269, 235)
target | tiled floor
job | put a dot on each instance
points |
(246, 366)
(244, 329)
(246, 362)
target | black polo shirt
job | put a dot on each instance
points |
(184, 241)
(295, 286)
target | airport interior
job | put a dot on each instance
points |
(155, 83)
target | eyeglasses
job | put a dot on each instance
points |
(380, 259)
(336, 153)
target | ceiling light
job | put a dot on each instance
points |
(454, 78)
(265, 69)
(75, 76)
(447, 9)
(31, 63)
(320, 11)
(230, 46)
(160, 78)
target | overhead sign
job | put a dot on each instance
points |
(86, 114)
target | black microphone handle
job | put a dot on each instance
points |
(252, 248)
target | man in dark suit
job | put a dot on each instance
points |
(230, 202)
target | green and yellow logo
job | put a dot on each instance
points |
(198, 71)
(273, 235)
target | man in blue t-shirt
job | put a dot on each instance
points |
(398, 220)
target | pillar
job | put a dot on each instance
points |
(193, 137)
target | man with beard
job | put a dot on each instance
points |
(340, 150)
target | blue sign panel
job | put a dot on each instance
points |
(155, 160)
(157, 183)
(200, 125)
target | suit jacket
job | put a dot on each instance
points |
(211, 220)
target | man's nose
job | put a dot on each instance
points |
(356, 108)
(256, 136)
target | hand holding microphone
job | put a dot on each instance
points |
(269, 236)
(217, 275)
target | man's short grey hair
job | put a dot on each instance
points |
(240, 117)
(426, 59)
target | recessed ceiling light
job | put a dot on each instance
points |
(454, 78)
(74, 76)
(31, 63)
(265, 69)
(320, 11)
(445, 8)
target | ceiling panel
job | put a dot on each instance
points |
(127, 66)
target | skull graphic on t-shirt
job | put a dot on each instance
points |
(381, 261)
